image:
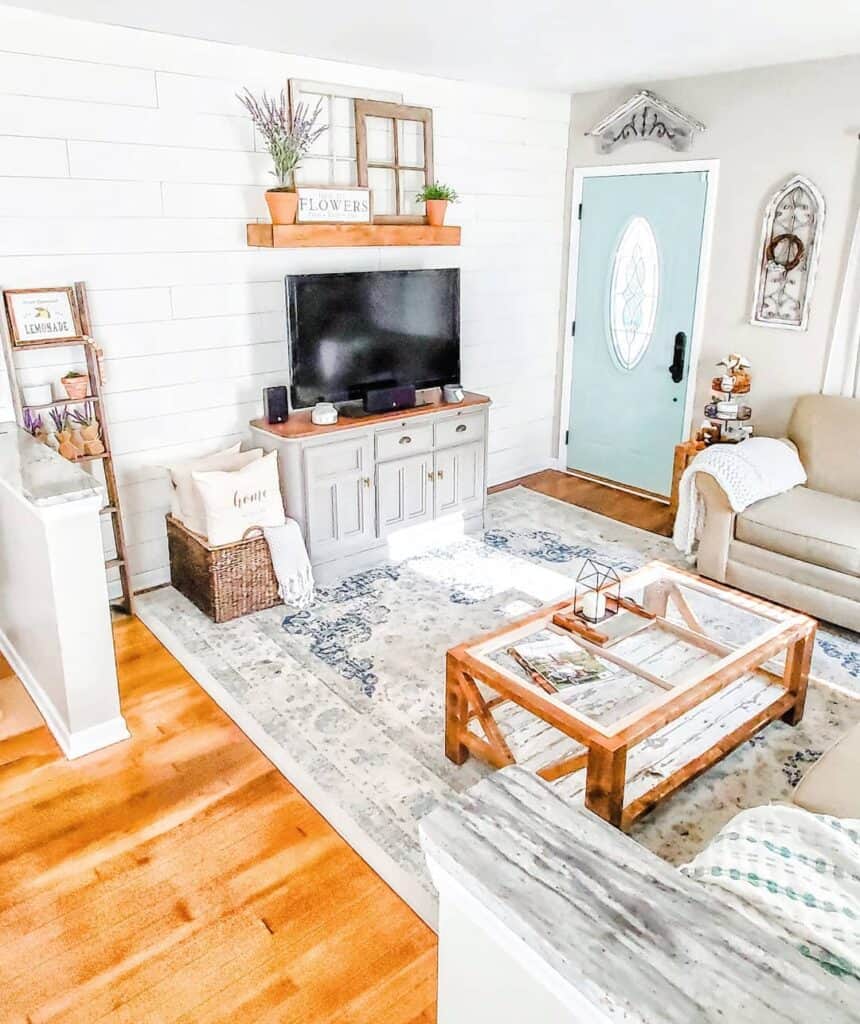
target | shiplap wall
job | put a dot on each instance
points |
(127, 162)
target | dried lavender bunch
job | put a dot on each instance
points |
(83, 417)
(287, 143)
(32, 423)
(59, 419)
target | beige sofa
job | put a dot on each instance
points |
(800, 548)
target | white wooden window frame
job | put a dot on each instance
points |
(301, 89)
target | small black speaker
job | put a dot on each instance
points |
(275, 404)
(388, 399)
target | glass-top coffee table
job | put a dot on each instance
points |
(685, 672)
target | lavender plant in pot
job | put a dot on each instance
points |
(287, 142)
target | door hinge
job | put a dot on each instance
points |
(579, 214)
(567, 437)
(573, 329)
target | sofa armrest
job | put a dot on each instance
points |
(717, 531)
(830, 785)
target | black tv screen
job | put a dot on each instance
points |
(351, 332)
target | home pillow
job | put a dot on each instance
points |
(234, 502)
(184, 500)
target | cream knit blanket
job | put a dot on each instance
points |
(747, 472)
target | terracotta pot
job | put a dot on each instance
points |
(282, 206)
(436, 210)
(76, 387)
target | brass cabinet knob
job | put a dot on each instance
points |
(440, 473)
(430, 475)
(367, 481)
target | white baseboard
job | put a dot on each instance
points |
(73, 744)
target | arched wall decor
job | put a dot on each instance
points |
(790, 239)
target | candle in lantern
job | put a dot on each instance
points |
(593, 605)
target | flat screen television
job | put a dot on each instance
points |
(348, 333)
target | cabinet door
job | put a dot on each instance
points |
(340, 497)
(404, 493)
(459, 480)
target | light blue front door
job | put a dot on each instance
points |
(639, 245)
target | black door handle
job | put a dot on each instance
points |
(677, 367)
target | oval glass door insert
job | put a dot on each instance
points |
(633, 293)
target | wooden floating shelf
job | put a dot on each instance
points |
(301, 236)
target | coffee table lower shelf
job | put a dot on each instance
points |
(661, 764)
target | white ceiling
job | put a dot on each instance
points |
(568, 45)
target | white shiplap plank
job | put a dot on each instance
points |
(26, 74)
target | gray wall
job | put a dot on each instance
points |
(763, 126)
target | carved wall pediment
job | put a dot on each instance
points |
(646, 117)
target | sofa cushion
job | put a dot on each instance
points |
(809, 525)
(826, 430)
(830, 786)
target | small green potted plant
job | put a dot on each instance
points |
(436, 198)
(76, 385)
(287, 142)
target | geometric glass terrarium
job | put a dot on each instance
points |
(594, 583)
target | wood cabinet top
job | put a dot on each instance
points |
(299, 424)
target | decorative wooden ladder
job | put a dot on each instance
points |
(93, 357)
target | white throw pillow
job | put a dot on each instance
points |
(185, 502)
(234, 502)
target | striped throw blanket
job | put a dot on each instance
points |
(793, 873)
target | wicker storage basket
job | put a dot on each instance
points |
(224, 582)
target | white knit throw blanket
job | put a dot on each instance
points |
(748, 472)
(291, 563)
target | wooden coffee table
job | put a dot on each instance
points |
(703, 670)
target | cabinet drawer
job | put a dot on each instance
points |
(405, 439)
(469, 427)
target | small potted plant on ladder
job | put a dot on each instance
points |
(287, 142)
(435, 198)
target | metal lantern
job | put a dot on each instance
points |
(594, 583)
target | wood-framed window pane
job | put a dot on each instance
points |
(411, 182)
(381, 181)
(380, 140)
(398, 137)
(410, 143)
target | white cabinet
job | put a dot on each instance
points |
(459, 479)
(404, 493)
(339, 481)
(352, 486)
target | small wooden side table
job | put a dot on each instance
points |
(684, 455)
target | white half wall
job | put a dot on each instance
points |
(127, 162)
(763, 126)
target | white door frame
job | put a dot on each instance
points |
(712, 169)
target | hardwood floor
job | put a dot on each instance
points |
(632, 509)
(178, 877)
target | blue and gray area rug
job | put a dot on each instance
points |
(346, 698)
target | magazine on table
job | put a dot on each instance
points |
(557, 658)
